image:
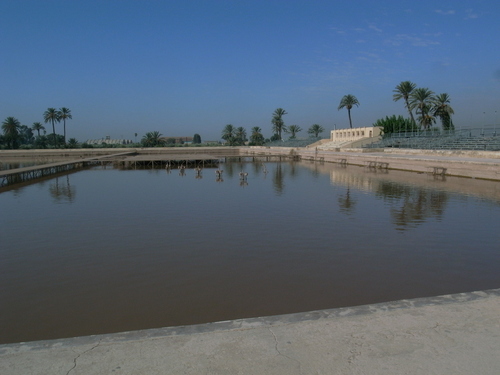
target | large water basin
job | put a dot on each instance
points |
(107, 250)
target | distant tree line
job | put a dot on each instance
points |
(16, 135)
(156, 139)
(237, 136)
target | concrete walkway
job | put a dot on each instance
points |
(454, 334)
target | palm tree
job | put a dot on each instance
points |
(72, 143)
(38, 126)
(348, 101)
(426, 119)
(64, 113)
(152, 139)
(228, 134)
(315, 129)
(256, 138)
(155, 139)
(25, 135)
(422, 100)
(403, 91)
(10, 127)
(443, 110)
(293, 129)
(52, 115)
(277, 121)
(240, 135)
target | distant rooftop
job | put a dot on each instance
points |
(178, 140)
(109, 141)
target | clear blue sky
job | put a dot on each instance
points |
(185, 67)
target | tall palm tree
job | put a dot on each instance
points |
(277, 121)
(403, 91)
(10, 127)
(37, 126)
(294, 129)
(348, 101)
(228, 134)
(315, 129)
(443, 110)
(422, 100)
(64, 113)
(52, 115)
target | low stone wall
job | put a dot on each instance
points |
(69, 153)
(90, 152)
(471, 164)
(463, 153)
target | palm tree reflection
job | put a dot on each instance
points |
(415, 205)
(346, 203)
(62, 192)
(278, 179)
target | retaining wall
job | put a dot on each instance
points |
(472, 164)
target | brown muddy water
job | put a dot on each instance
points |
(107, 250)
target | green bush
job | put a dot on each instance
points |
(394, 124)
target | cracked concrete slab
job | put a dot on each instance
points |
(79, 355)
(453, 334)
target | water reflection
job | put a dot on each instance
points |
(198, 172)
(294, 170)
(256, 167)
(346, 202)
(61, 190)
(59, 187)
(278, 179)
(316, 169)
(229, 168)
(218, 174)
(414, 205)
(409, 205)
(243, 178)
